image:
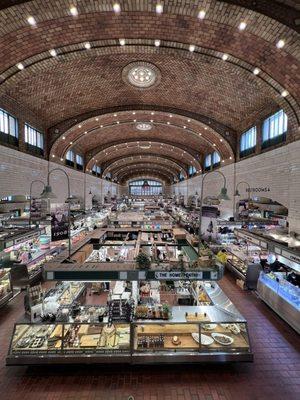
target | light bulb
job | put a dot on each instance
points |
(242, 26)
(74, 11)
(201, 14)
(53, 52)
(31, 21)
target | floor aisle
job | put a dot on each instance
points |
(274, 375)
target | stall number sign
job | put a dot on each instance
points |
(258, 190)
(178, 275)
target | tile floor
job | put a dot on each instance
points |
(274, 375)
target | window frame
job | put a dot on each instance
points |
(34, 139)
(271, 126)
(250, 135)
(6, 135)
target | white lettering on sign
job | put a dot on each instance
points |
(178, 275)
(291, 257)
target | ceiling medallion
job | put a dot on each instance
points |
(141, 74)
(143, 126)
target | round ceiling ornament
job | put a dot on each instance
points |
(143, 126)
(141, 75)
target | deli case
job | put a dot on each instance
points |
(193, 335)
(6, 287)
(282, 296)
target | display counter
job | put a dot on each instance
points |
(135, 343)
(282, 296)
(83, 334)
(245, 266)
(6, 287)
(32, 272)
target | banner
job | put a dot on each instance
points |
(59, 222)
(38, 209)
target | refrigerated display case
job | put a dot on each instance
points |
(244, 262)
(282, 296)
(6, 287)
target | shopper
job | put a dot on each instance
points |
(222, 256)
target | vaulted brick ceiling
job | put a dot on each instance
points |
(211, 101)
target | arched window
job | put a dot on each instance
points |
(96, 170)
(274, 129)
(192, 170)
(145, 187)
(212, 160)
(248, 142)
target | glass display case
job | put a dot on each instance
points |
(69, 339)
(240, 265)
(191, 337)
(134, 343)
(6, 288)
(282, 296)
(284, 289)
(244, 262)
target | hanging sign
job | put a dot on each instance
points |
(59, 222)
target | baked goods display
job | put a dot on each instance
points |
(70, 337)
(151, 342)
(97, 337)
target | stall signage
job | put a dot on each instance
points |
(252, 240)
(59, 222)
(178, 275)
(258, 189)
(291, 257)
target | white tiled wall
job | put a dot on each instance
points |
(18, 170)
(278, 170)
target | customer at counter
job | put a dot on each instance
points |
(294, 278)
(222, 256)
(276, 266)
